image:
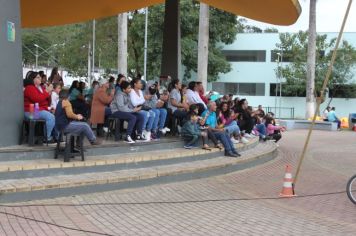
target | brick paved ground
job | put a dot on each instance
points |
(330, 162)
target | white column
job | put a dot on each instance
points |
(122, 44)
(145, 47)
(203, 44)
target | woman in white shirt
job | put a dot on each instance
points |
(55, 96)
(138, 100)
(194, 98)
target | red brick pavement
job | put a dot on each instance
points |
(328, 165)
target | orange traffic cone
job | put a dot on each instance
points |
(288, 190)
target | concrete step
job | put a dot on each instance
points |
(119, 161)
(12, 190)
(108, 147)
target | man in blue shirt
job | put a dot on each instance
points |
(209, 119)
(333, 118)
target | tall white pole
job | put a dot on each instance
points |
(276, 89)
(93, 55)
(122, 44)
(203, 44)
(145, 47)
(89, 61)
(280, 86)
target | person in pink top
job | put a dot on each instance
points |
(273, 131)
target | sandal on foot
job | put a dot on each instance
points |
(206, 148)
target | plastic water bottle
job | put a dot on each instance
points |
(31, 109)
(36, 114)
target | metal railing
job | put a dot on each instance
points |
(281, 112)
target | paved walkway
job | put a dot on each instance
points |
(329, 164)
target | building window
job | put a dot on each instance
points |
(286, 56)
(240, 89)
(245, 55)
(272, 91)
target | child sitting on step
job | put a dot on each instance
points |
(191, 132)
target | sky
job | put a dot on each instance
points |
(329, 16)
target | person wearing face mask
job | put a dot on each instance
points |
(99, 106)
(35, 93)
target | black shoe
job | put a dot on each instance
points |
(140, 138)
(236, 153)
(230, 154)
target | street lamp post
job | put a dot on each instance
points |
(36, 55)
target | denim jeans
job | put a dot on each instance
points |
(134, 119)
(261, 128)
(50, 121)
(225, 140)
(232, 128)
(160, 118)
(149, 118)
(80, 127)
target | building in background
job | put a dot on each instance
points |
(253, 60)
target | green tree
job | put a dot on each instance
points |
(73, 57)
(270, 30)
(223, 29)
(294, 48)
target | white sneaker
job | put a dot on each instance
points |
(248, 135)
(165, 130)
(148, 136)
(128, 139)
(234, 141)
(106, 129)
(244, 140)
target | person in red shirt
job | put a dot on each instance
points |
(35, 93)
(202, 93)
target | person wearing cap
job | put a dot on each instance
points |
(99, 106)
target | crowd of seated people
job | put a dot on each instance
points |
(148, 111)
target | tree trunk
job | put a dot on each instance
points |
(122, 44)
(310, 85)
(203, 44)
